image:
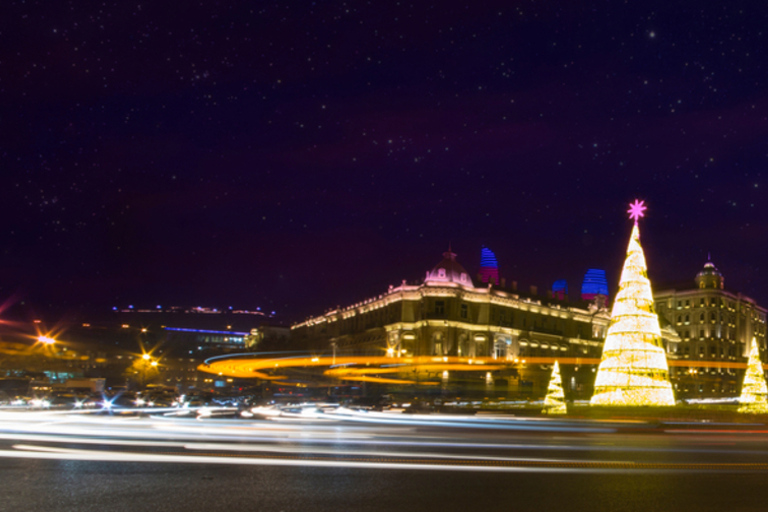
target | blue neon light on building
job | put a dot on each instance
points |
(560, 289)
(489, 267)
(204, 331)
(595, 283)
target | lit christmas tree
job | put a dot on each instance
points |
(754, 393)
(554, 402)
(633, 369)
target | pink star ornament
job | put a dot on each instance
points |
(637, 210)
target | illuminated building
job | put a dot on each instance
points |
(633, 369)
(447, 315)
(560, 290)
(754, 392)
(554, 402)
(489, 267)
(595, 283)
(715, 328)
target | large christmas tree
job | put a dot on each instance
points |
(554, 402)
(633, 369)
(754, 393)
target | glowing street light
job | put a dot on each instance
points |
(46, 340)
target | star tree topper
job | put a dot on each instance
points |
(637, 210)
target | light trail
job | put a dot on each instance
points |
(484, 465)
(428, 442)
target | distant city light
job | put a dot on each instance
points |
(204, 331)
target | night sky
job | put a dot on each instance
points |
(299, 155)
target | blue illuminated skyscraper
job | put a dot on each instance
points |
(595, 283)
(489, 267)
(560, 289)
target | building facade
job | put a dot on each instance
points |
(447, 315)
(715, 329)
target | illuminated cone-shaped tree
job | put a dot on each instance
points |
(554, 402)
(754, 393)
(633, 369)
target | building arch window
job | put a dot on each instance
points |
(500, 347)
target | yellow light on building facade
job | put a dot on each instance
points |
(754, 392)
(633, 369)
(554, 402)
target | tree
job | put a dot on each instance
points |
(633, 369)
(142, 371)
(554, 402)
(754, 392)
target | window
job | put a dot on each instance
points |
(500, 349)
(441, 272)
(440, 307)
(464, 311)
(701, 317)
(679, 319)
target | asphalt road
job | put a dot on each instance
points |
(376, 463)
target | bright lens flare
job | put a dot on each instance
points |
(46, 340)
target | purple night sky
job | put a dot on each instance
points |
(300, 155)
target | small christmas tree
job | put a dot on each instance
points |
(633, 369)
(554, 402)
(754, 393)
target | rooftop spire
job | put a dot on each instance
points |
(449, 254)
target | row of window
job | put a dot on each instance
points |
(713, 351)
(713, 301)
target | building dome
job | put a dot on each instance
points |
(449, 271)
(710, 277)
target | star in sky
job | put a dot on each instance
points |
(637, 210)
